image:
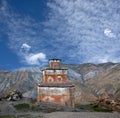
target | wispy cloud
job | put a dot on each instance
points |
(75, 31)
(81, 25)
(23, 34)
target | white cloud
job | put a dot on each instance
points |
(109, 33)
(74, 30)
(35, 59)
(26, 47)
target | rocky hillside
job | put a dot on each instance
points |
(108, 82)
(90, 80)
(24, 79)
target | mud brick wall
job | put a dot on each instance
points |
(59, 95)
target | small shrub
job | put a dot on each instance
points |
(92, 107)
(7, 116)
(95, 106)
(98, 109)
(23, 106)
(88, 107)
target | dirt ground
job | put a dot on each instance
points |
(6, 108)
(63, 115)
(81, 115)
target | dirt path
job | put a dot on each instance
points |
(65, 115)
(81, 115)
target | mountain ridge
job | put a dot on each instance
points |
(87, 77)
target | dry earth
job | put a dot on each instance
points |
(6, 108)
(65, 115)
(81, 115)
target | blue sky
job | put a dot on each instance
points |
(76, 31)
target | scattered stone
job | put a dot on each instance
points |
(14, 95)
(108, 101)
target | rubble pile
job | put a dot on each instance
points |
(108, 101)
(14, 95)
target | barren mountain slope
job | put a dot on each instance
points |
(108, 82)
(89, 79)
